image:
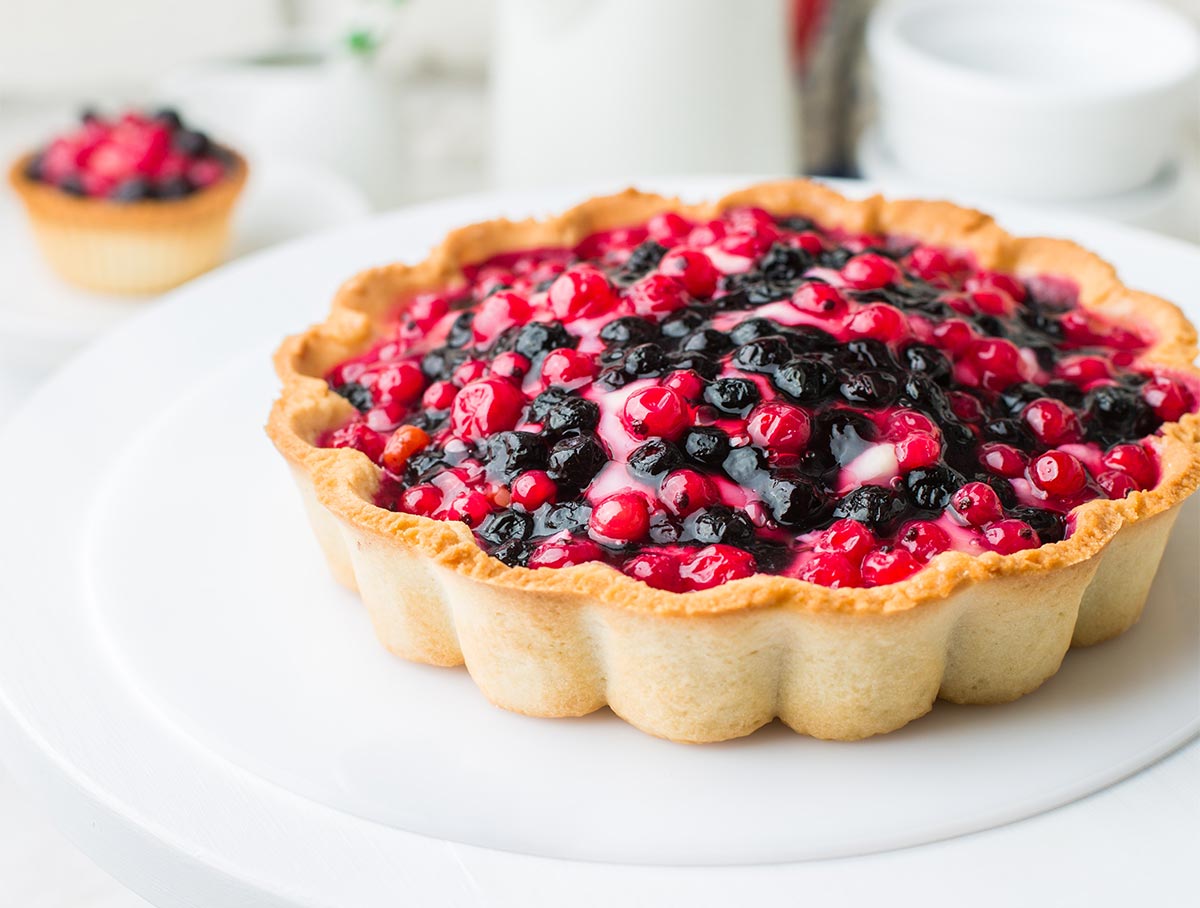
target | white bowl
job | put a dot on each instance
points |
(1033, 99)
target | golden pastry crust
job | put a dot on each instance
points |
(718, 663)
(130, 247)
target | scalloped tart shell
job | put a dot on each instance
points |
(130, 247)
(711, 665)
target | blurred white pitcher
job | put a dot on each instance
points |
(597, 89)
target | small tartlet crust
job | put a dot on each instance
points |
(718, 663)
(130, 247)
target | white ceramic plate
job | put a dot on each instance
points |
(43, 319)
(178, 654)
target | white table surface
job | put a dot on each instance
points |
(1136, 843)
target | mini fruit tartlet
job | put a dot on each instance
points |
(132, 205)
(789, 455)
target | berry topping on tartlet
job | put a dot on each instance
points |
(134, 204)
(131, 158)
(694, 402)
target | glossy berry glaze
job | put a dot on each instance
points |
(698, 402)
(133, 158)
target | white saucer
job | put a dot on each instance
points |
(43, 319)
(1158, 206)
(210, 717)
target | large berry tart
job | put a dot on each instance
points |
(788, 455)
(131, 204)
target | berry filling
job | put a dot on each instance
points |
(693, 403)
(135, 157)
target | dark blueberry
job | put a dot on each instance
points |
(805, 380)
(645, 361)
(1012, 400)
(567, 515)
(706, 445)
(868, 388)
(540, 406)
(1010, 431)
(624, 332)
(733, 395)
(752, 289)
(705, 366)
(654, 458)
(511, 453)
(502, 526)
(916, 296)
(439, 364)
(429, 421)
(839, 435)
(1001, 486)
(794, 500)
(641, 261)
(1068, 392)
(88, 114)
(1115, 413)
(752, 329)
(360, 396)
(706, 340)
(1045, 354)
(765, 354)
(785, 264)
(835, 258)
(959, 444)
(574, 414)
(1133, 379)
(168, 117)
(73, 185)
(611, 356)
(681, 323)
(191, 142)
(425, 464)
(537, 338)
(991, 326)
(928, 360)
(174, 188)
(135, 189)
(493, 287)
(1049, 526)
(1044, 324)
(795, 224)
(663, 529)
(720, 524)
(613, 377)
(810, 339)
(574, 461)
(921, 393)
(745, 465)
(514, 553)
(460, 333)
(33, 168)
(878, 508)
(867, 351)
(930, 488)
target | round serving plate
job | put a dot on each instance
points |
(210, 715)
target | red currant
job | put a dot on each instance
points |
(1058, 473)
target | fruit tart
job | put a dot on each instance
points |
(135, 205)
(786, 455)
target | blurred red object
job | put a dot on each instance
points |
(807, 18)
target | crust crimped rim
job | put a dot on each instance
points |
(47, 202)
(345, 481)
